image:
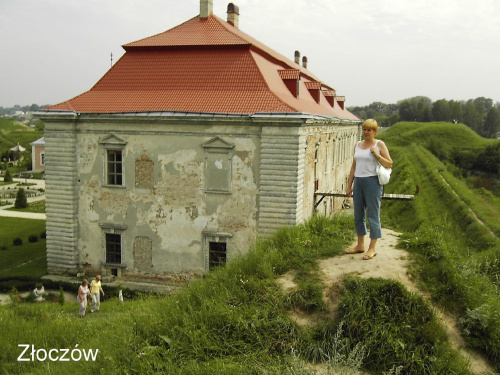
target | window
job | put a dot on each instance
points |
(42, 158)
(113, 248)
(216, 254)
(215, 248)
(113, 160)
(115, 168)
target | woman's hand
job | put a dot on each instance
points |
(374, 152)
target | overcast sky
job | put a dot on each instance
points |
(383, 50)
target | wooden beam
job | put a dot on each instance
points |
(332, 193)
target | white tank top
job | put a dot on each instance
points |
(365, 161)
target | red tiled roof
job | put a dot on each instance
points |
(311, 85)
(289, 73)
(202, 65)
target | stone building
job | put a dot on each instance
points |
(198, 140)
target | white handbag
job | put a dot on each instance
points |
(383, 173)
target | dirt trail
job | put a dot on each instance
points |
(390, 263)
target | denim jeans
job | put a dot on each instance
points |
(367, 195)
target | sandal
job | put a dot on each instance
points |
(354, 251)
(369, 256)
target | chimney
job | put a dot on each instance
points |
(297, 57)
(206, 8)
(233, 13)
(304, 62)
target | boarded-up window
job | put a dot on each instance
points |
(218, 154)
(144, 169)
(143, 253)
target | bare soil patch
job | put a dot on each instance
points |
(390, 263)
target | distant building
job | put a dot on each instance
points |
(198, 140)
(38, 155)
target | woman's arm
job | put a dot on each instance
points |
(384, 157)
(351, 178)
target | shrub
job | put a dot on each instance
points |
(43, 235)
(18, 241)
(33, 238)
(7, 177)
(61, 296)
(21, 201)
(3, 247)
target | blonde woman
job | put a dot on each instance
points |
(367, 192)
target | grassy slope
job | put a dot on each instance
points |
(460, 259)
(236, 321)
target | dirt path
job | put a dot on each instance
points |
(390, 263)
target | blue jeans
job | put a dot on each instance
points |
(367, 195)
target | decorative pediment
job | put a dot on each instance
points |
(112, 140)
(217, 143)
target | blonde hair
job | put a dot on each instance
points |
(370, 124)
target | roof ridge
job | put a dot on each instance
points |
(163, 32)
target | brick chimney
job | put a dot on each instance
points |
(206, 8)
(304, 62)
(233, 15)
(297, 57)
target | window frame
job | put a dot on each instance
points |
(115, 229)
(113, 144)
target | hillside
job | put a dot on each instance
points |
(452, 227)
(13, 132)
(339, 314)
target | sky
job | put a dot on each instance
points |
(369, 51)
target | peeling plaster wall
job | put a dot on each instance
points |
(166, 212)
(163, 202)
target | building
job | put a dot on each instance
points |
(198, 140)
(38, 155)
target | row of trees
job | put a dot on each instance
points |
(480, 114)
(10, 111)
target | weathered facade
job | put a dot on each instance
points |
(168, 190)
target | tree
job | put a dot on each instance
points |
(492, 123)
(473, 117)
(7, 177)
(456, 111)
(440, 110)
(21, 200)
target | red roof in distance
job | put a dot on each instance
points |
(203, 65)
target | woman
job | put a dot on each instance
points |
(83, 291)
(367, 192)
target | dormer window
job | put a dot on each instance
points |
(314, 88)
(340, 100)
(291, 78)
(329, 95)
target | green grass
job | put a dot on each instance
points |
(459, 259)
(36, 207)
(14, 256)
(236, 320)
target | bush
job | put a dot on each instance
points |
(33, 238)
(43, 235)
(18, 241)
(7, 177)
(21, 200)
(3, 247)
